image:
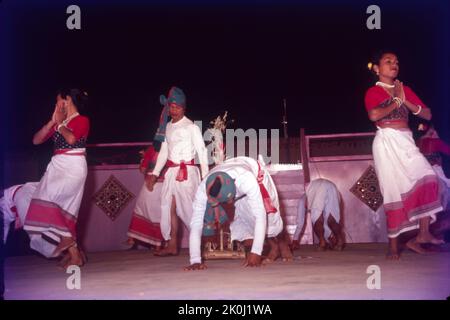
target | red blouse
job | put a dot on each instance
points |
(376, 96)
(79, 126)
(80, 129)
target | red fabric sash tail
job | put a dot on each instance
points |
(268, 205)
(182, 172)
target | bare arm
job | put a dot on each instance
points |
(151, 178)
(68, 135)
(248, 185)
(57, 119)
(41, 136)
(162, 159)
(425, 113)
(379, 113)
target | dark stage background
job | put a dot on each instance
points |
(244, 57)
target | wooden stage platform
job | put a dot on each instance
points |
(313, 275)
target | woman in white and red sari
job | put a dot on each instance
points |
(145, 222)
(409, 186)
(55, 204)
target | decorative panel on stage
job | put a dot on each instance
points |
(367, 189)
(112, 197)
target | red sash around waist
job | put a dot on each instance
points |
(182, 172)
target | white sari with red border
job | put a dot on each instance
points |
(145, 222)
(55, 204)
(408, 183)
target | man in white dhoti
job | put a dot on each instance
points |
(322, 199)
(182, 143)
(241, 195)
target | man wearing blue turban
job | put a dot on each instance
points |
(238, 193)
(183, 141)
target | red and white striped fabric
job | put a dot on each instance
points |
(55, 204)
(409, 186)
(144, 225)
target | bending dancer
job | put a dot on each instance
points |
(14, 205)
(182, 143)
(55, 204)
(409, 186)
(322, 199)
(240, 195)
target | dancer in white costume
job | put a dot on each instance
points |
(322, 199)
(241, 195)
(409, 185)
(55, 204)
(14, 205)
(183, 142)
(145, 222)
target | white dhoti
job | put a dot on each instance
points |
(322, 199)
(251, 221)
(183, 192)
(243, 225)
(183, 142)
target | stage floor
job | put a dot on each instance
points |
(313, 275)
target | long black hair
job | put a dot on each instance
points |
(79, 98)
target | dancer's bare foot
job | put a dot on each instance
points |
(295, 245)
(67, 261)
(274, 252)
(83, 256)
(323, 245)
(393, 255)
(130, 242)
(64, 260)
(63, 245)
(340, 244)
(415, 246)
(166, 252)
(429, 238)
(196, 266)
(286, 253)
(75, 258)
